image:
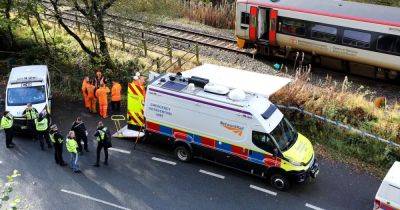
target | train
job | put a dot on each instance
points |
(354, 37)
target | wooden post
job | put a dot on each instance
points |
(122, 38)
(179, 63)
(197, 54)
(158, 64)
(144, 47)
(169, 50)
(78, 25)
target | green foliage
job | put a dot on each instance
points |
(346, 145)
(7, 200)
(169, 8)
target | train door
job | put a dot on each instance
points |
(263, 23)
(273, 21)
(253, 35)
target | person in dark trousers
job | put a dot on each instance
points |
(80, 134)
(42, 125)
(57, 139)
(7, 124)
(31, 114)
(103, 138)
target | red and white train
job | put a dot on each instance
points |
(344, 35)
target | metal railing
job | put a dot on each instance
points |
(340, 125)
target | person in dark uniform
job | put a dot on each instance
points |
(103, 138)
(57, 139)
(7, 122)
(80, 134)
(31, 114)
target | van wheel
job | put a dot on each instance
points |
(280, 182)
(183, 153)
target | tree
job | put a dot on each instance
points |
(7, 37)
(94, 11)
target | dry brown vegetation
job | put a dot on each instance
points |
(343, 103)
(222, 16)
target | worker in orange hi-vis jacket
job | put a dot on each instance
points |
(102, 96)
(84, 92)
(116, 96)
(91, 88)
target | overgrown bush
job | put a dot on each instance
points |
(220, 16)
(341, 103)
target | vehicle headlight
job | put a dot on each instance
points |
(293, 162)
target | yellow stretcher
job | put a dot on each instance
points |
(124, 132)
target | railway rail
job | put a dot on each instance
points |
(174, 33)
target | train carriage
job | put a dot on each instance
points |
(348, 35)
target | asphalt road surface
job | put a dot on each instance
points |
(150, 178)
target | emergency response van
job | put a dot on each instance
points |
(388, 195)
(27, 84)
(224, 115)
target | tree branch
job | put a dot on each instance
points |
(80, 9)
(69, 31)
(107, 5)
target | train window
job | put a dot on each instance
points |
(294, 27)
(245, 18)
(386, 43)
(356, 38)
(323, 33)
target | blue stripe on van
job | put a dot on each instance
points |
(256, 157)
(224, 146)
(166, 130)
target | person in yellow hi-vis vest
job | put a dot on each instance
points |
(72, 148)
(136, 96)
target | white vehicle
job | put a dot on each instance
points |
(27, 84)
(388, 195)
(224, 115)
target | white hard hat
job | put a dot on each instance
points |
(136, 77)
(137, 74)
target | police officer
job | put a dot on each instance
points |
(42, 126)
(103, 138)
(57, 139)
(7, 124)
(30, 114)
(80, 134)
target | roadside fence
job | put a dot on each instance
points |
(339, 125)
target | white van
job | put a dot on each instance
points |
(216, 113)
(388, 195)
(27, 84)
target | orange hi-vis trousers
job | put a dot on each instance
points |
(92, 104)
(103, 110)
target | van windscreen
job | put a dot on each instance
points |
(24, 95)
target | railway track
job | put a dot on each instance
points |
(162, 30)
(187, 35)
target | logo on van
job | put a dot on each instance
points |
(238, 130)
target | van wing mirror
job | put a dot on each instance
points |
(276, 152)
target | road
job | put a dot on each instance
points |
(150, 178)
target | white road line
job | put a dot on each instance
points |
(263, 190)
(211, 174)
(163, 161)
(313, 207)
(94, 199)
(119, 150)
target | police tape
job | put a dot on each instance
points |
(340, 125)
